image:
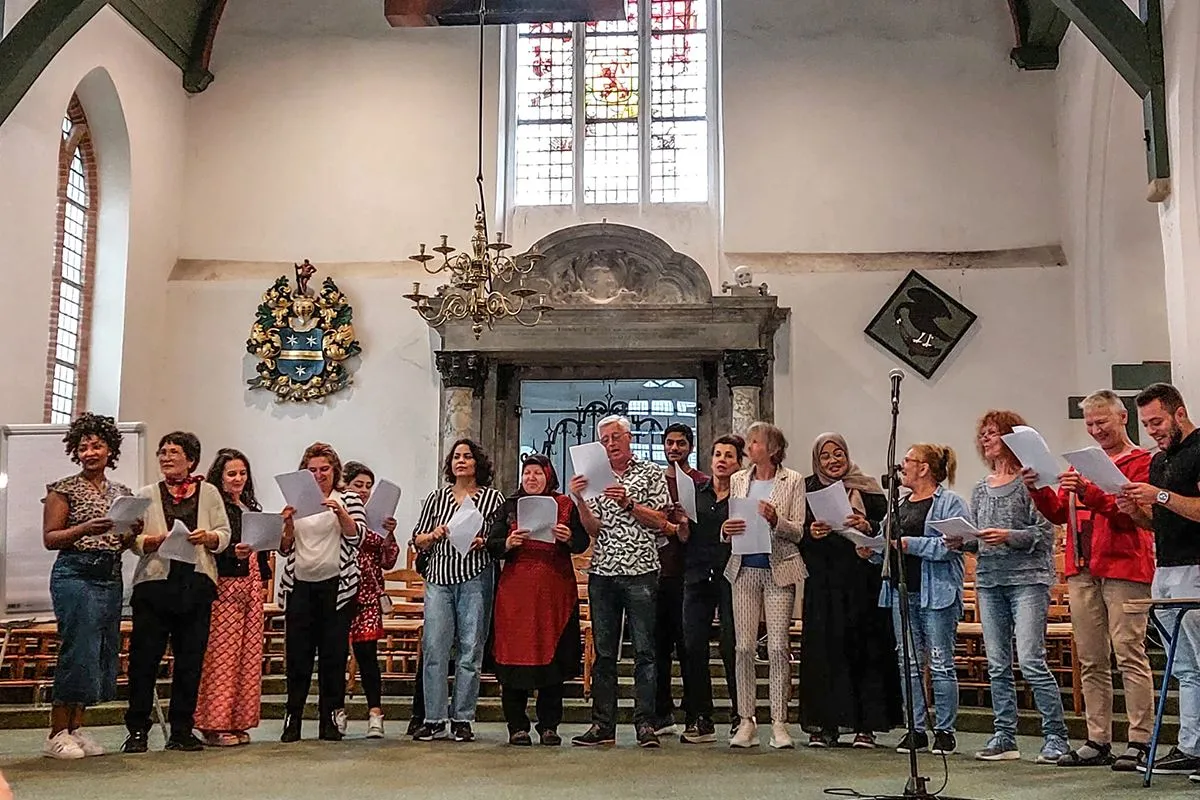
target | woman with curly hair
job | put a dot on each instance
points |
(458, 593)
(85, 583)
(318, 587)
(231, 682)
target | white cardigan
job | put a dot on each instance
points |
(210, 516)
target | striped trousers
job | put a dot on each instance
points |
(754, 591)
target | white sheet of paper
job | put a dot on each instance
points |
(1030, 449)
(830, 505)
(538, 515)
(465, 526)
(262, 531)
(591, 461)
(757, 538)
(382, 504)
(176, 546)
(127, 510)
(956, 528)
(301, 492)
(860, 539)
(686, 488)
(1095, 465)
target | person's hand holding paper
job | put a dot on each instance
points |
(1031, 450)
(591, 462)
(302, 493)
(537, 516)
(755, 536)
(1095, 465)
(464, 527)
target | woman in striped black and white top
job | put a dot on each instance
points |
(318, 587)
(458, 593)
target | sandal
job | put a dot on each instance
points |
(1135, 753)
(1101, 756)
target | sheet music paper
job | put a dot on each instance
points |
(382, 504)
(1095, 465)
(686, 489)
(538, 515)
(1031, 450)
(127, 510)
(860, 539)
(830, 505)
(757, 538)
(591, 461)
(956, 528)
(301, 492)
(176, 546)
(464, 526)
(262, 531)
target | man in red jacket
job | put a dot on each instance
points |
(1109, 560)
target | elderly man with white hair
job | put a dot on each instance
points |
(624, 523)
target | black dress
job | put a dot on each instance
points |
(849, 681)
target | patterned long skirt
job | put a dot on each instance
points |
(231, 686)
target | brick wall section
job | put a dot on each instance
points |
(81, 139)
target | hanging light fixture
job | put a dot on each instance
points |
(474, 289)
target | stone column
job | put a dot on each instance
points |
(745, 370)
(463, 376)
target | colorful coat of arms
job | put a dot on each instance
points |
(302, 340)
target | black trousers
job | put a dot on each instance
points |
(314, 624)
(669, 643)
(549, 707)
(418, 708)
(366, 655)
(700, 601)
(167, 613)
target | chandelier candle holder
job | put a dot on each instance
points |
(473, 289)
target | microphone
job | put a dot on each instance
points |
(896, 376)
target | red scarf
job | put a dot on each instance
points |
(179, 489)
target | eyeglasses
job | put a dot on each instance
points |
(908, 460)
(614, 437)
(986, 435)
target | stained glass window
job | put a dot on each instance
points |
(613, 111)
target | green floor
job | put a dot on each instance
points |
(488, 768)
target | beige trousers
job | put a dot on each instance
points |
(755, 592)
(1101, 628)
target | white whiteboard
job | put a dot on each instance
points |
(32, 456)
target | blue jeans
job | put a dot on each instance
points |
(1006, 611)
(635, 598)
(85, 589)
(459, 616)
(933, 634)
(1172, 582)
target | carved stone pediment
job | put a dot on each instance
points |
(604, 264)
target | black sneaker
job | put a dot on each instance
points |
(136, 742)
(462, 732)
(1175, 762)
(646, 737)
(944, 743)
(664, 725)
(822, 740)
(291, 728)
(594, 736)
(549, 737)
(186, 742)
(702, 732)
(430, 731)
(520, 739)
(414, 725)
(907, 743)
(735, 722)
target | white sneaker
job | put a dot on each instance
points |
(339, 719)
(62, 745)
(374, 726)
(87, 744)
(780, 738)
(747, 734)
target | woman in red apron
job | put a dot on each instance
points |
(537, 644)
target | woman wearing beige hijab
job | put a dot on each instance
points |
(849, 682)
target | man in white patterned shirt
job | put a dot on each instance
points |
(624, 523)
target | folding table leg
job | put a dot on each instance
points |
(1172, 642)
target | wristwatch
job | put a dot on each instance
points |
(629, 506)
(1162, 498)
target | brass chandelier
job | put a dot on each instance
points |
(473, 290)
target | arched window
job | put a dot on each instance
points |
(74, 270)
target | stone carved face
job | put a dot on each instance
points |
(601, 281)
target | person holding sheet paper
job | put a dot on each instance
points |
(706, 592)
(317, 589)
(678, 442)
(625, 523)
(458, 593)
(1013, 576)
(848, 677)
(934, 578)
(766, 582)
(1169, 503)
(377, 554)
(172, 600)
(85, 583)
(537, 645)
(231, 682)
(1109, 561)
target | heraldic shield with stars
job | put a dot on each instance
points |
(302, 340)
